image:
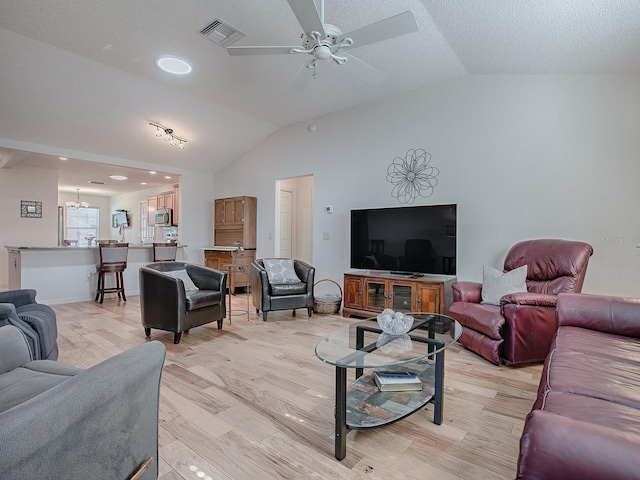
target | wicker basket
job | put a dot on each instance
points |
(327, 303)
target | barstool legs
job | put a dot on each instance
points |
(119, 288)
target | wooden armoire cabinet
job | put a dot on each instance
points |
(234, 226)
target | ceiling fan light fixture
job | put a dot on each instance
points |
(322, 52)
(325, 41)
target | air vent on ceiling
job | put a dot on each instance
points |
(96, 182)
(222, 33)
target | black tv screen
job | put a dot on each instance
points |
(418, 239)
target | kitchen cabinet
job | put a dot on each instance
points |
(218, 259)
(230, 212)
(367, 294)
(162, 200)
(152, 206)
(176, 204)
(235, 221)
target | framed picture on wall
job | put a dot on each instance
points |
(30, 209)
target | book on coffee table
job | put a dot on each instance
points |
(396, 381)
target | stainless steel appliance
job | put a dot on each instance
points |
(164, 217)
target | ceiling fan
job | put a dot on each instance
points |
(324, 41)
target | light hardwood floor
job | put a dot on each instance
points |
(251, 401)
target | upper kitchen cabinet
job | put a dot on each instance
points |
(235, 221)
(163, 200)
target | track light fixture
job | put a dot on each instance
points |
(169, 136)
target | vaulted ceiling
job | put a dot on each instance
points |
(77, 77)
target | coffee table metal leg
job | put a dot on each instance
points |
(341, 413)
(438, 397)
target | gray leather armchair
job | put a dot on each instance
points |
(282, 296)
(37, 321)
(58, 421)
(168, 304)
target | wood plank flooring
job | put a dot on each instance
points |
(251, 401)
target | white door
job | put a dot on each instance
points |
(286, 213)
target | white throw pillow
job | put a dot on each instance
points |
(496, 284)
(186, 279)
(280, 270)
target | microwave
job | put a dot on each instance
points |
(164, 217)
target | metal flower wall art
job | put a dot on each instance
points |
(412, 176)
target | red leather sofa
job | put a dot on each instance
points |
(585, 423)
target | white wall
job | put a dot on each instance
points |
(26, 183)
(196, 214)
(522, 156)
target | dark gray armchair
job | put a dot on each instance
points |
(285, 295)
(178, 296)
(37, 321)
(58, 421)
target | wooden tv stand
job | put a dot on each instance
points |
(368, 292)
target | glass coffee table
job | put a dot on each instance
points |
(362, 346)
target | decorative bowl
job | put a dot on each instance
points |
(390, 344)
(394, 323)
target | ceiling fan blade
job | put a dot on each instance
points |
(400, 24)
(258, 50)
(363, 70)
(308, 16)
(302, 78)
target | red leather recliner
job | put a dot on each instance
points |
(521, 328)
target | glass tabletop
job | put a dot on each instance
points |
(365, 345)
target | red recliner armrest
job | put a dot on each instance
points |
(529, 298)
(530, 324)
(467, 292)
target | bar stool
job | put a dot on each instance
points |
(165, 252)
(113, 259)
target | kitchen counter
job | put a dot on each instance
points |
(93, 247)
(68, 274)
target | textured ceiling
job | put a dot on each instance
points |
(78, 77)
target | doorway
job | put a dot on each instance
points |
(294, 221)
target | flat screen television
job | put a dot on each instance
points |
(405, 240)
(119, 219)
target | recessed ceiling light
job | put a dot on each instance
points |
(152, 172)
(143, 183)
(167, 177)
(118, 177)
(174, 65)
(63, 158)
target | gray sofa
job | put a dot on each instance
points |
(167, 303)
(37, 321)
(58, 421)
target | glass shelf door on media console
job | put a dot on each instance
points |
(385, 294)
(401, 297)
(376, 295)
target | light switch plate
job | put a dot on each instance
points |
(328, 209)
